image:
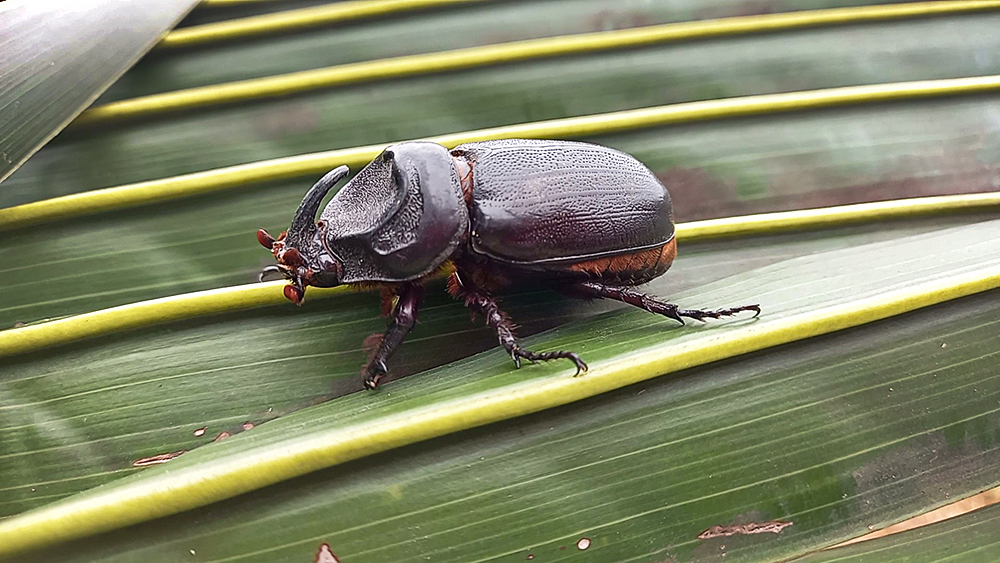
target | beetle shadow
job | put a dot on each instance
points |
(533, 310)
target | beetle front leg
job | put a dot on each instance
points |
(484, 303)
(404, 316)
(650, 303)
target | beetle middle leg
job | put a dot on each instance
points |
(483, 302)
(404, 316)
(650, 303)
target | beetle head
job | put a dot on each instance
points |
(303, 256)
(398, 219)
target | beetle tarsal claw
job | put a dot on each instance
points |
(374, 373)
(672, 314)
(701, 315)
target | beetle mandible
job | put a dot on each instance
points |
(583, 219)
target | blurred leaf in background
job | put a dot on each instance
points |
(60, 56)
(738, 106)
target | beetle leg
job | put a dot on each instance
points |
(404, 316)
(652, 304)
(487, 306)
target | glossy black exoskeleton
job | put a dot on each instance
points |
(584, 219)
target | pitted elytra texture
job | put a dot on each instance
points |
(538, 201)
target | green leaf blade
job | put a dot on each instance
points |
(772, 421)
(791, 161)
(432, 103)
(811, 434)
(865, 286)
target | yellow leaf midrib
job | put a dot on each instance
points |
(236, 298)
(506, 53)
(141, 193)
(288, 21)
(187, 488)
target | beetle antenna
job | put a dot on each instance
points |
(269, 270)
(304, 222)
(265, 240)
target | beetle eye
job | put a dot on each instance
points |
(292, 257)
(387, 155)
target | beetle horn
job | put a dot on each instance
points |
(304, 222)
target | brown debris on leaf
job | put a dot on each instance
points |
(773, 527)
(157, 459)
(324, 555)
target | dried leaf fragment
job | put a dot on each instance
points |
(157, 459)
(324, 555)
(772, 527)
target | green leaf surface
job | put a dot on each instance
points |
(59, 56)
(425, 105)
(833, 434)
(970, 537)
(712, 169)
(96, 388)
(458, 26)
(212, 11)
(216, 10)
(823, 437)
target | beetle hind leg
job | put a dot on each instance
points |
(484, 303)
(652, 304)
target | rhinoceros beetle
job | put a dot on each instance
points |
(584, 219)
